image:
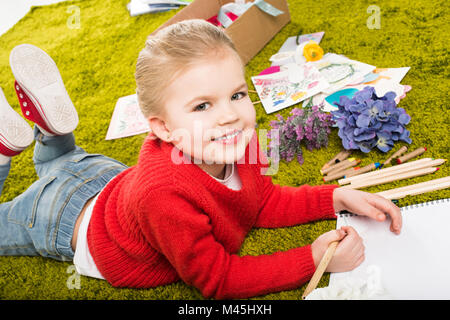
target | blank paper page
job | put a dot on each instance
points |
(412, 265)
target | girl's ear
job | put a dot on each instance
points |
(159, 129)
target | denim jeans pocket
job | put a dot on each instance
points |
(23, 208)
(77, 157)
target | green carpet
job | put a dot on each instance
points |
(97, 63)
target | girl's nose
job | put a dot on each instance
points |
(228, 115)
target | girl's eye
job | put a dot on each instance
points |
(201, 107)
(238, 96)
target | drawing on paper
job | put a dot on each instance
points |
(285, 88)
(127, 119)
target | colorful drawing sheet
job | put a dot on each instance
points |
(127, 119)
(286, 88)
(339, 71)
(382, 79)
(393, 74)
(385, 80)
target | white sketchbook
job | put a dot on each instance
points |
(412, 265)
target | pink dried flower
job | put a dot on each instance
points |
(308, 126)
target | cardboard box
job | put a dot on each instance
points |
(250, 32)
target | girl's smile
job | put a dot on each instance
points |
(230, 138)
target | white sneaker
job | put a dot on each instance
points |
(42, 95)
(15, 133)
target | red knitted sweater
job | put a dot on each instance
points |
(160, 221)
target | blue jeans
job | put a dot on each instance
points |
(41, 220)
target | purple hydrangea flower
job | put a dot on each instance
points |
(367, 121)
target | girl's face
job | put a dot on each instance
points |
(209, 114)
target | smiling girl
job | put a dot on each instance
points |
(183, 211)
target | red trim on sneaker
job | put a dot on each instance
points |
(4, 150)
(30, 110)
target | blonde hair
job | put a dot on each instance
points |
(170, 51)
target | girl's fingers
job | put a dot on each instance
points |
(349, 230)
(359, 261)
(385, 206)
(351, 241)
(358, 248)
(333, 235)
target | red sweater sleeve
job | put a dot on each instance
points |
(284, 206)
(184, 235)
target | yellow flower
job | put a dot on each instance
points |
(312, 51)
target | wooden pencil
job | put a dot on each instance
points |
(429, 189)
(341, 156)
(385, 170)
(430, 183)
(364, 169)
(350, 162)
(396, 154)
(345, 168)
(411, 155)
(323, 264)
(337, 174)
(416, 191)
(426, 164)
(350, 170)
(381, 180)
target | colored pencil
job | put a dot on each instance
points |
(346, 167)
(396, 154)
(364, 169)
(415, 189)
(341, 156)
(432, 163)
(337, 174)
(350, 162)
(385, 170)
(411, 155)
(323, 264)
(394, 177)
(399, 170)
(414, 186)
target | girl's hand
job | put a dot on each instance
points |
(349, 253)
(367, 204)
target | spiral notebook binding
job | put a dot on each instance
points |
(425, 204)
(346, 213)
